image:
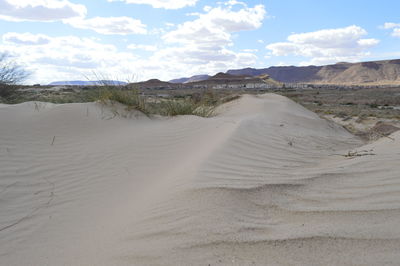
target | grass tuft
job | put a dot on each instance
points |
(186, 107)
(131, 98)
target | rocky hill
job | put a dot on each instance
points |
(191, 79)
(373, 72)
(224, 80)
(155, 84)
(220, 80)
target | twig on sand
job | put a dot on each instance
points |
(36, 107)
(52, 142)
(353, 154)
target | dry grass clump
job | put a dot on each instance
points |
(131, 98)
(186, 107)
(168, 107)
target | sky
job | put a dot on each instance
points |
(135, 40)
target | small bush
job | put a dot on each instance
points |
(7, 90)
(11, 74)
(342, 114)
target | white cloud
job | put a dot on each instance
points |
(396, 32)
(70, 58)
(283, 48)
(207, 8)
(395, 28)
(215, 26)
(69, 13)
(40, 10)
(175, 62)
(66, 57)
(166, 4)
(25, 38)
(234, 2)
(250, 50)
(169, 24)
(205, 42)
(391, 25)
(149, 48)
(326, 46)
(202, 45)
(110, 25)
(329, 38)
(367, 42)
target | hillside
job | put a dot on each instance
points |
(220, 80)
(155, 84)
(224, 80)
(373, 72)
(191, 79)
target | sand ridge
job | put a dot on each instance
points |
(265, 182)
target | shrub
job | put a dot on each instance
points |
(10, 75)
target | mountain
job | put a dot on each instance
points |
(155, 84)
(191, 79)
(372, 72)
(86, 83)
(224, 80)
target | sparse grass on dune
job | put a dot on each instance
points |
(167, 107)
(131, 98)
(186, 107)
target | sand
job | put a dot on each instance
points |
(265, 182)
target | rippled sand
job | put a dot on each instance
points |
(265, 182)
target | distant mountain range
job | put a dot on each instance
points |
(87, 83)
(373, 72)
(236, 81)
(220, 81)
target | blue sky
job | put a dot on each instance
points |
(165, 39)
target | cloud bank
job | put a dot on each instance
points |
(40, 10)
(110, 25)
(395, 27)
(326, 46)
(166, 4)
(69, 13)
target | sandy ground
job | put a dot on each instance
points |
(265, 182)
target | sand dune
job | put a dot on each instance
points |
(263, 183)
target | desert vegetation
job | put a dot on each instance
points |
(346, 102)
(202, 105)
(11, 74)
